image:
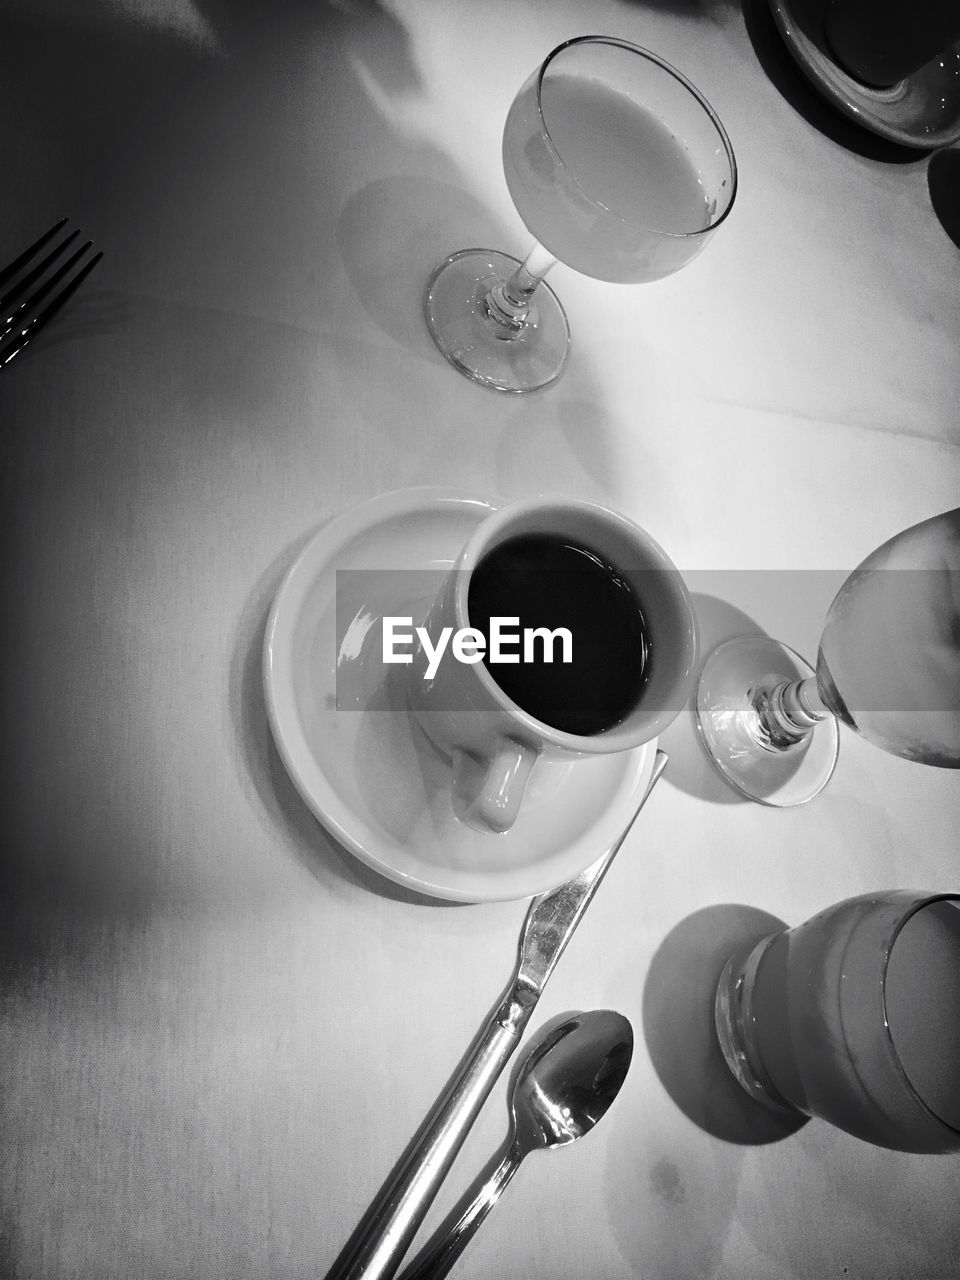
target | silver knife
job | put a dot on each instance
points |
(386, 1231)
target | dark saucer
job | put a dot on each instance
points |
(922, 111)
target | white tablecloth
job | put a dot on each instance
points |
(219, 1030)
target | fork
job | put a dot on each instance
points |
(21, 321)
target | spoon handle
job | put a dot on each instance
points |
(445, 1248)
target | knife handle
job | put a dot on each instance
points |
(386, 1231)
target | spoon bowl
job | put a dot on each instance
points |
(569, 1079)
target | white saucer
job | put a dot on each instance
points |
(356, 755)
(923, 110)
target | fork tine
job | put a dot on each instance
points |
(26, 281)
(10, 271)
(10, 322)
(54, 280)
(33, 327)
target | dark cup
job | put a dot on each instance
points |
(881, 42)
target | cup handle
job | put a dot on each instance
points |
(496, 803)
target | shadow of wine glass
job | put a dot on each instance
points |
(678, 1024)
(391, 234)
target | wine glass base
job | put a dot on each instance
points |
(482, 347)
(733, 738)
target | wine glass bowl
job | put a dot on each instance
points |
(616, 162)
(888, 667)
(620, 168)
(889, 658)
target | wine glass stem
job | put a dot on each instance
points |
(788, 710)
(510, 302)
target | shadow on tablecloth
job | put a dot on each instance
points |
(678, 1024)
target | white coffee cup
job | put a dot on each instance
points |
(492, 742)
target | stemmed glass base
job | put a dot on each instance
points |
(509, 343)
(743, 742)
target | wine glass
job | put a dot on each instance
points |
(888, 666)
(620, 168)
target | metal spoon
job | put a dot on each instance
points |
(565, 1085)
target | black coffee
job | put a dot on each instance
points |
(547, 581)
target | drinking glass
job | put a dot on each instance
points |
(620, 168)
(888, 666)
(854, 1017)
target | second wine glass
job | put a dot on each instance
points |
(888, 666)
(620, 168)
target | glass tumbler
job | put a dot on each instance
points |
(854, 1017)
